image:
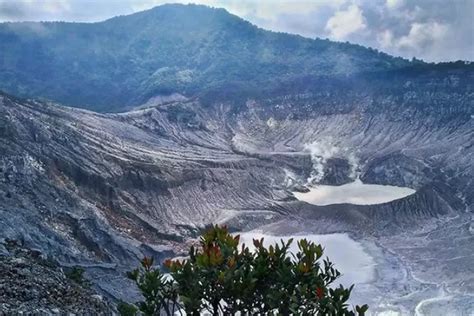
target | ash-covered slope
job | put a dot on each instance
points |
(104, 189)
(89, 182)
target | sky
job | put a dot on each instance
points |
(432, 30)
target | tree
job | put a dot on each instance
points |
(158, 291)
(223, 278)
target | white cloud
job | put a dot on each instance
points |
(385, 39)
(346, 22)
(29, 9)
(54, 7)
(394, 4)
(422, 35)
(423, 40)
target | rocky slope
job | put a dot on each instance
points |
(101, 190)
(31, 283)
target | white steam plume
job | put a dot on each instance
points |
(321, 151)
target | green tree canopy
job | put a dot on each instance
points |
(223, 277)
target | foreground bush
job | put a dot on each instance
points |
(222, 278)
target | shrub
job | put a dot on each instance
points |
(125, 309)
(77, 275)
(158, 291)
(222, 278)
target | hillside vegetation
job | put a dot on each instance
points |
(182, 49)
(223, 277)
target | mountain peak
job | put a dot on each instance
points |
(175, 13)
(172, 48)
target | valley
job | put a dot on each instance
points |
(165, 172)
(133, 149)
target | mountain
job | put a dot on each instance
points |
(185, 49)
(228, 121)
(102, 190)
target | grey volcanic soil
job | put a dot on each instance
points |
(32, 284)
(102, 190)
